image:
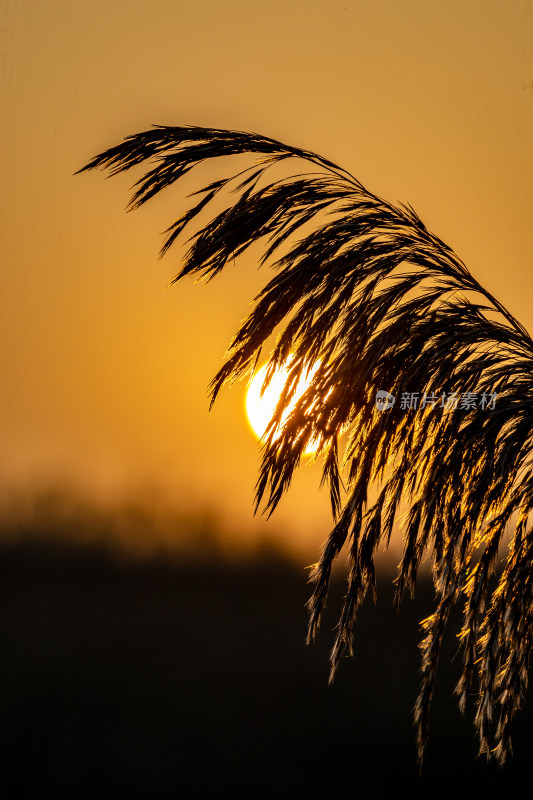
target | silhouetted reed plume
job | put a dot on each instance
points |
(383, 304)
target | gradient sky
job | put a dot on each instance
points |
(104, 371)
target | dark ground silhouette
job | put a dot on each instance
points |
(121, 679)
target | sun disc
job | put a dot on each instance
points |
(260, 409)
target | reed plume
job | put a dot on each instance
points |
(364, 289)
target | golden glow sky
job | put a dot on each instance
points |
(104, 371)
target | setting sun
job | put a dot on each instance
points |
(260, 409)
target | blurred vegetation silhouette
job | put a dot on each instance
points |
(365, 290)
(153, 672)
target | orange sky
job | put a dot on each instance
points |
(104, 371)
